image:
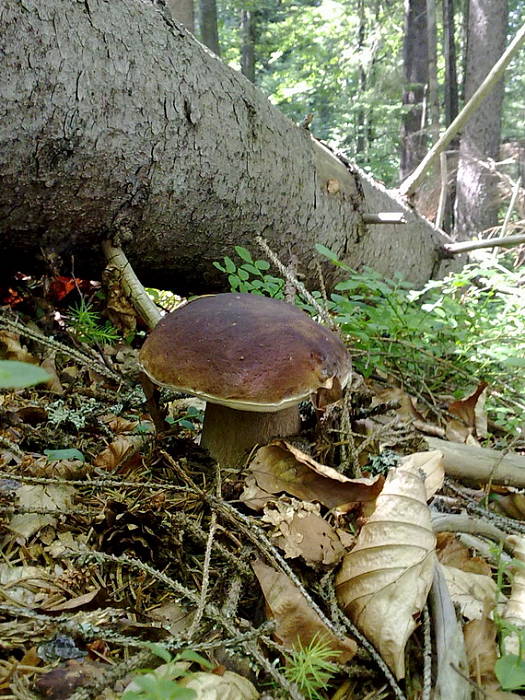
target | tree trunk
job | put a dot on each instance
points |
(451, 105)
(248, 44)
(208, 25)
(183, 11)
(476, 195)
(116, 121)
(415, 65)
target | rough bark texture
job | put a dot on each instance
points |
(183, 11)
(208, 25)
(248, 44)
(476, 194)
(114, 119)
(415, 66)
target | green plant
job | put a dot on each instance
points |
(251, 275)
(447, 337)
(153, 686)
(191, 420)
(88, 326)
(19, 375)
(310, 668)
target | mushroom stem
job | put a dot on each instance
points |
(229, 434)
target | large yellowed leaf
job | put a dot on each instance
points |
(432, 467)
(280, 467)
(472, 593)
(383, 582)
(295, 622)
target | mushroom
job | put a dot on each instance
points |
(253, 359)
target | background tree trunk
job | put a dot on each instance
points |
(415, 66)
(476, 198)
(183, 11)
(451, 102)
(116, 121)
(248, 44)
(208, 25)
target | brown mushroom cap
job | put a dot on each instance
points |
(244, 351)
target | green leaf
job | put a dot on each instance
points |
(18, 375)
(215, 264)
(510, 672)
(190, 655)
(66, 453)
(262, 264)
(160, 651)
(323, 250)
(243, 253)
(229, 265)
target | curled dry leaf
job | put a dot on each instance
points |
(295, 622)
(431, 466)
(119, 452)
(300, 531)
(454, 553)
(279, 467)
(472, 418)
(384, 581)
(472, 593)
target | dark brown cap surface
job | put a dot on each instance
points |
(244, 351)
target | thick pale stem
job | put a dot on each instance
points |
(229, 435)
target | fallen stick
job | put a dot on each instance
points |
(480, 463)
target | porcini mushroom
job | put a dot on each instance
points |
(253, 359)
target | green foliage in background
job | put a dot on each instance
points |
(447, 337)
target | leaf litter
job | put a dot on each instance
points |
(109, 543)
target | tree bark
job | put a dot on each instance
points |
(208, 25)
(248, 44)
(183, 11)
(415, 66)
(476, 206)
(116, 121)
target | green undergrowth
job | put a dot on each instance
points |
(443, 339)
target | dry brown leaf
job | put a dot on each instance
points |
(26, 585)
(472, 593)
(54, 385)
(280, 467)
(472, 421)
(454, 553)
(75, 603)
(11, 348)
(59, 683)
(39, 497)
(118, 424)
(118, 452)
(408, 406)
(300, 531)
(431, 465)
(228, 686)
(511, 505)
(481, 648)
(295, 622)
(384, 581)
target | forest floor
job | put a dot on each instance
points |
(124, 547)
